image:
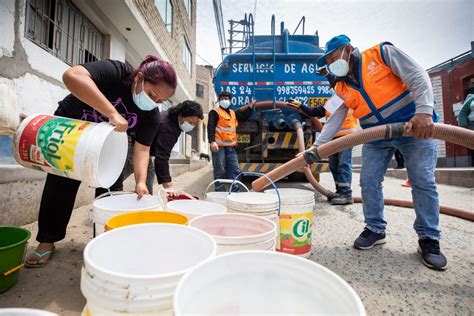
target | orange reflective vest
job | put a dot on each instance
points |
(382, 96)
(226, 128)
(350, 125)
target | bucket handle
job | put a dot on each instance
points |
(258, 174)
(163, 198)
(13, 270)
(228, 181)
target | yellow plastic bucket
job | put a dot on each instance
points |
(144, 217)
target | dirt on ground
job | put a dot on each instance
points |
(389, 279)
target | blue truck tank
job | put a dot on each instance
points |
(273, 68)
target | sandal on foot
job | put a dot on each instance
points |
(40, 255)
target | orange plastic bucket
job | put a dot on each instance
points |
(144, 217)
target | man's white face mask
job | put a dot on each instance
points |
(340, 67)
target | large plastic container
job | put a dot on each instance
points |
(296, 221)
(235, 232)
(135, 269)
(254, 203)
(146, 217)
(220, 197)
(25, 312)
(195, 208)
(104, 208)
(264, 283)
(13, 241)
(85, 151)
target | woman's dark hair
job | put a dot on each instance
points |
(224, 94)
(470, 90)
(186, 109)
(155, 70)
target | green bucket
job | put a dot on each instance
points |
(13, 242)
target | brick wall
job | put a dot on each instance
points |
(438, 97)
(172, 43)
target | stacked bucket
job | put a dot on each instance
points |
(135, 269)
(254, 203)
(236, 232)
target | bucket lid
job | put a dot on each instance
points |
(294, 196)
(252, 201)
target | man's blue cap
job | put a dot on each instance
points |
(333, 44)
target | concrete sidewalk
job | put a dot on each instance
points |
(390, 279)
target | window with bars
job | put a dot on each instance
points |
(187, 56)
(61, 29)
(189, 8)
(165, 8)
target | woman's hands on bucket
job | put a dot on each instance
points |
(141, 190)
(170, 191)
(116, 119)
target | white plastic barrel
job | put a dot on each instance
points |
(195, 208)
(254, 203)
(221, 197)
(264, 283)
(25, 312)
(296, 221)
(235, 232)
(106, 207)
(85, 151)
(135, 269)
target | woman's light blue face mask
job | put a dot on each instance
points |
(143, 101)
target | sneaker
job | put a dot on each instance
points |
(431, 254)
(342, 200)
(369, 239)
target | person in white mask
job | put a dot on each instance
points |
(222, 135)
(182, 118)
(383, 85)
(104, 91)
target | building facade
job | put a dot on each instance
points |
(450, 80)
(206, 96)
(43, 38)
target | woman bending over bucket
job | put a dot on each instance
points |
(183, 117)
(105, 90)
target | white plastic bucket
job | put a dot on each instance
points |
(268, 245)
(235, 232)
(119, 203)
(24, 312)
(135, 269)
(221, 197)
(252, 202)
(296, 221)
(263, 282)
(85, 151)
(195, 208)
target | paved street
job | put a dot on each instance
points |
(390, 279)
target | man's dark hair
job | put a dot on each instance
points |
(224, 94)
(186, 109)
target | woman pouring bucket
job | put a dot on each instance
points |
(105, 90)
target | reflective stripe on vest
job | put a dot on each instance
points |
(382, 96)
(226, 128)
